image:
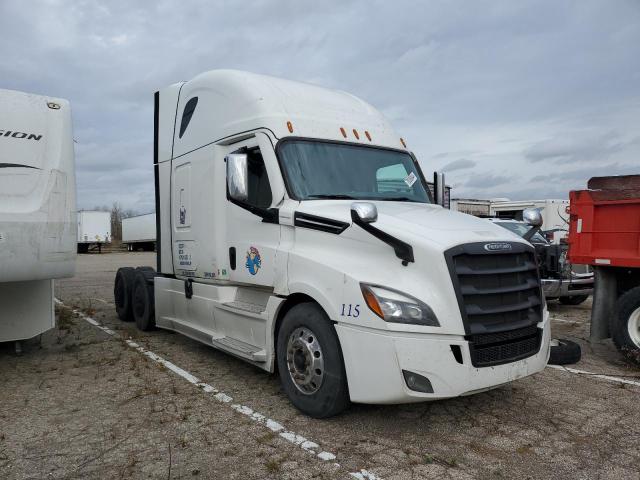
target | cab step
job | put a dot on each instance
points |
(241, 349)
(240, 306)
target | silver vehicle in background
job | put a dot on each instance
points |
(570, 284)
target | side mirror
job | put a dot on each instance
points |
(438, 188)
(237, 178)
(364, 212)
(533, 217)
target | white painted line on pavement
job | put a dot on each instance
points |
(595, 375)
(364, 475)
(563, 320)
(292, 437)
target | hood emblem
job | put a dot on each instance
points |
(497, 246)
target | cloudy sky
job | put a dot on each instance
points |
(512, 99)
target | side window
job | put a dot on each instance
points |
(258, 180)
(392, 179)
(189, 108)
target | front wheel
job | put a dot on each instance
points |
(625, 327)
(310, 362)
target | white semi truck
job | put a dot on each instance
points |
(37, 210)
(295, 231)
(139, 232)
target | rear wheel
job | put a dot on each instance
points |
(310, 362)
(143, 299)
(122, 291)
(574, 300)
(625, 327)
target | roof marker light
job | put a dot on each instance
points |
(355, 132)
(290, 127)
(344, 132)
(366, 132)
(402, 141)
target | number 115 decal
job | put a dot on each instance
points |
(350, 310)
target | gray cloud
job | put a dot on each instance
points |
(460, 164)
(576, 148)
(518, 85)
(486, 181)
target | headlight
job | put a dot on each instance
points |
(396, 307)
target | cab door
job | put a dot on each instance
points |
(253, 238)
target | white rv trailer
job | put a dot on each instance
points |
(94, 229)
(37, 210)
(139, 232)
(280, 242)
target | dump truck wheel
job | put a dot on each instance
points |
(122, 290)
(573, 300)
(143, 299)
(625, 327)
(564, 352)
(310, 362)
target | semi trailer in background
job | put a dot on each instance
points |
(37, 210)
(605, 233)
(295, 228)
(94, 230)
(139, 232)
(555, 219)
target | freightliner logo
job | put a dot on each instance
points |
(497, 246)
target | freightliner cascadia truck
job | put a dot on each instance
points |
(295, 231)
(37, 210)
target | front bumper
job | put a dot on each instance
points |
(375, 359)
(554, 288)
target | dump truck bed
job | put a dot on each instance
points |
(605, 222)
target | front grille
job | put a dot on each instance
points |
(499, 296)
(496, 348)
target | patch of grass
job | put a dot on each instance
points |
(273, 465)
(447, 462)
(65, 318)
(452, 462)
(267, 438)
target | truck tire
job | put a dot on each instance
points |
(564, 352)
(573, 300)
(143, 299)
(309, 350)
(122, 291)
(625, 326)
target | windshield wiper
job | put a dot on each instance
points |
(397, 199)
(338, 196)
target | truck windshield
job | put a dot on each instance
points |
(315, 170)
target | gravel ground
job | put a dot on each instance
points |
(80, 403)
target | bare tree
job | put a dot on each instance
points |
(117, 215)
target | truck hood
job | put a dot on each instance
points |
(417, 222)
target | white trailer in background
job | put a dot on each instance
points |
(94, 229)
(554, 215)
(555, 218)
(139, 232)
(37, 210)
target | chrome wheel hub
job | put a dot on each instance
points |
(633, 327)
(305, 361)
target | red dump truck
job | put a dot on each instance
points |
(604, 232)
